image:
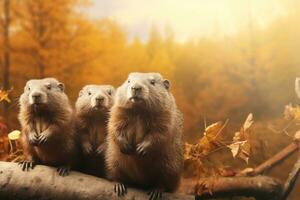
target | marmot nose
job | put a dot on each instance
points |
(36, 96)
(136, 88)
(99, 99)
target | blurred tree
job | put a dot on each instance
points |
(46, 31)
(5, 22)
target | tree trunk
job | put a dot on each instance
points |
(6, 53)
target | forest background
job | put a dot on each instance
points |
(224, 72)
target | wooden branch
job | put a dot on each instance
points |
(273, 161)
(290, 183)
(260, 187)
(44, 183)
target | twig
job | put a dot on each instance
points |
(277, 158)
(290, 183)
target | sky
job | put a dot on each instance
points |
(187, 18)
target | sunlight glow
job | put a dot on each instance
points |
(189, 18)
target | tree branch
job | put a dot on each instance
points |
(260, 187)
(44, 183)
(290, 183)
(273, 161)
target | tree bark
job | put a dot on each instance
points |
(44, 183)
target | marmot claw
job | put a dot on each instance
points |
(63, 170)
(141, 149)
(42, 139)
(120, 189)
(155, 195)
(33, 140)
(26, 165)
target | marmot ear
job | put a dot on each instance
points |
(167, 84)
(61, 86)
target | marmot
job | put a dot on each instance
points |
(46, 117)
(92, 111)
(145, 136)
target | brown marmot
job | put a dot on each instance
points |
(92, 111)
(48, 134)
(145, 136)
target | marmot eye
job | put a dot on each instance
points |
(109, 93)
(48, 87)
(128, 81)
(152, 82)
(89, 93)
(28, 88)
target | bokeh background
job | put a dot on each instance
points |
(224, 58)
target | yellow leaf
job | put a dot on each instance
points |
(212, 129)
(14, 135)
(297, 135)
(248, 123)
(245, 151)
(4, 96)
(234, 148)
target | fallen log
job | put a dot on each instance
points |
(260, 187)
(44, 183)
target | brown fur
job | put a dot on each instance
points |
(91, 123)
(154, 124)
(52, 119)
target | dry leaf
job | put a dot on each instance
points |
(291, 112)
(248, 123)
(4, 96)
(235, 148)
(14, 135)
(241, 147)
(297, 135)
(245, 151)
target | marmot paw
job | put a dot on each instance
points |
(42, 139)
(141, 148)
(126, 148)
(33, 140)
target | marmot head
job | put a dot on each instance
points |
(95, 99)
(44, 94)
(144, 90)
